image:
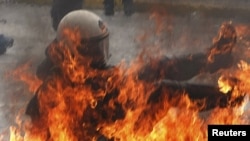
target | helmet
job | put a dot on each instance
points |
(93, 32)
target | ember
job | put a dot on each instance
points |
(78, 102)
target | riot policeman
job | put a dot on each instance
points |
(109, 6)
(91, 52)
(94, 38)
(61, 7)
(93, 46)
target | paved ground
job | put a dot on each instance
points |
(30, 26)
(229, 4)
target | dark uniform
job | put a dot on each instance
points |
(61, 7)
(218, 56)
(109, 6)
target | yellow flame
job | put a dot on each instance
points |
(224, 85)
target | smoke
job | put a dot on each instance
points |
(30, 27)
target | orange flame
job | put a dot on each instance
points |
(117, 105)
(23, 74)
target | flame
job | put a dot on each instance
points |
(158, 19)
(82, 103)
(224, 85)
(224, 42)
(23, 74)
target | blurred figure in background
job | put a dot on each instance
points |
(5, 42)
(62, 7)
(109, 6)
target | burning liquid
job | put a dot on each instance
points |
(85, 104)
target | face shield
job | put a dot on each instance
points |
(96, 48)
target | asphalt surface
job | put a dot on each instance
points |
(30, 26)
